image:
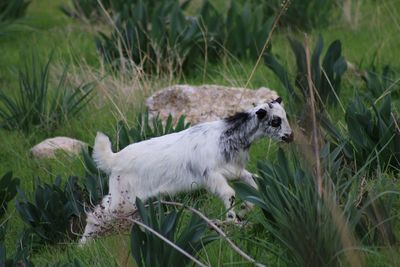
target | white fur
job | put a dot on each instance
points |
(204, 156)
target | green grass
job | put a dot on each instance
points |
(46, 29)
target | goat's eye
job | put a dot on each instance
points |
(276, 122)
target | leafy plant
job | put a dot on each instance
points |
(246, 29)
(375, 198)
(379, 82)
(53, 211)
(154, 35)
(326, 76)
(158, 36)
(91, 9)
(379, 221)
(146, 128)
(11, 10)
(3, 257)
(303, 15)
(8, 190)
(371, 138)
(39, 105)
(293, 207)
(18, 259)
(149, 250)
(86, 9)
(74, 263)
(241, 32)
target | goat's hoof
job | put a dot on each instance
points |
(219, 223)
(238, 222)
(231, 216)
(83, 241)
(225, 223)
(242, 214)
(232, 219)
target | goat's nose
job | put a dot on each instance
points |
(288, 138)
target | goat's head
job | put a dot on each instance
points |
(272, 121)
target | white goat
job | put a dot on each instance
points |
(207, 156)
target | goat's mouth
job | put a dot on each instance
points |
(287, 138)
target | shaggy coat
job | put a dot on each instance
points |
(207, 156)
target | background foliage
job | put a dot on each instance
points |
(145, 45)
(39, 105)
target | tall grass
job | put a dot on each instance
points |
(300, 221)
(191, 238)
(318, 209)
(305, 15)
(10, 11)
(38, 104)
(123, 92)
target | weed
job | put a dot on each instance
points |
(54, 211)
(148, 250)
(12, 10)
(37, 104)
(371, 138)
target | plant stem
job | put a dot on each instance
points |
(218, 230)
(315, 146)
(166, 240)
(285, 5)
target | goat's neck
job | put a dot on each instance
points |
(236, 139)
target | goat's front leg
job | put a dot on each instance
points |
(219, 186)
(246, 177)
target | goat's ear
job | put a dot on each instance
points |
(261, 113)
(279, 100)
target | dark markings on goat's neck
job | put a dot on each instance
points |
(237, 119)
(235, 138)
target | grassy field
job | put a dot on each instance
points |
(45, 29)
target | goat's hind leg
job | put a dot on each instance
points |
(98, 220)
(112, 214)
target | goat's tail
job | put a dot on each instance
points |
(102, 153)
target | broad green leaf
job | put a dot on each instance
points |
(315, 62)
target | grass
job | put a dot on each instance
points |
(46, 29)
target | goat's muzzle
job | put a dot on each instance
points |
(288, 138)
